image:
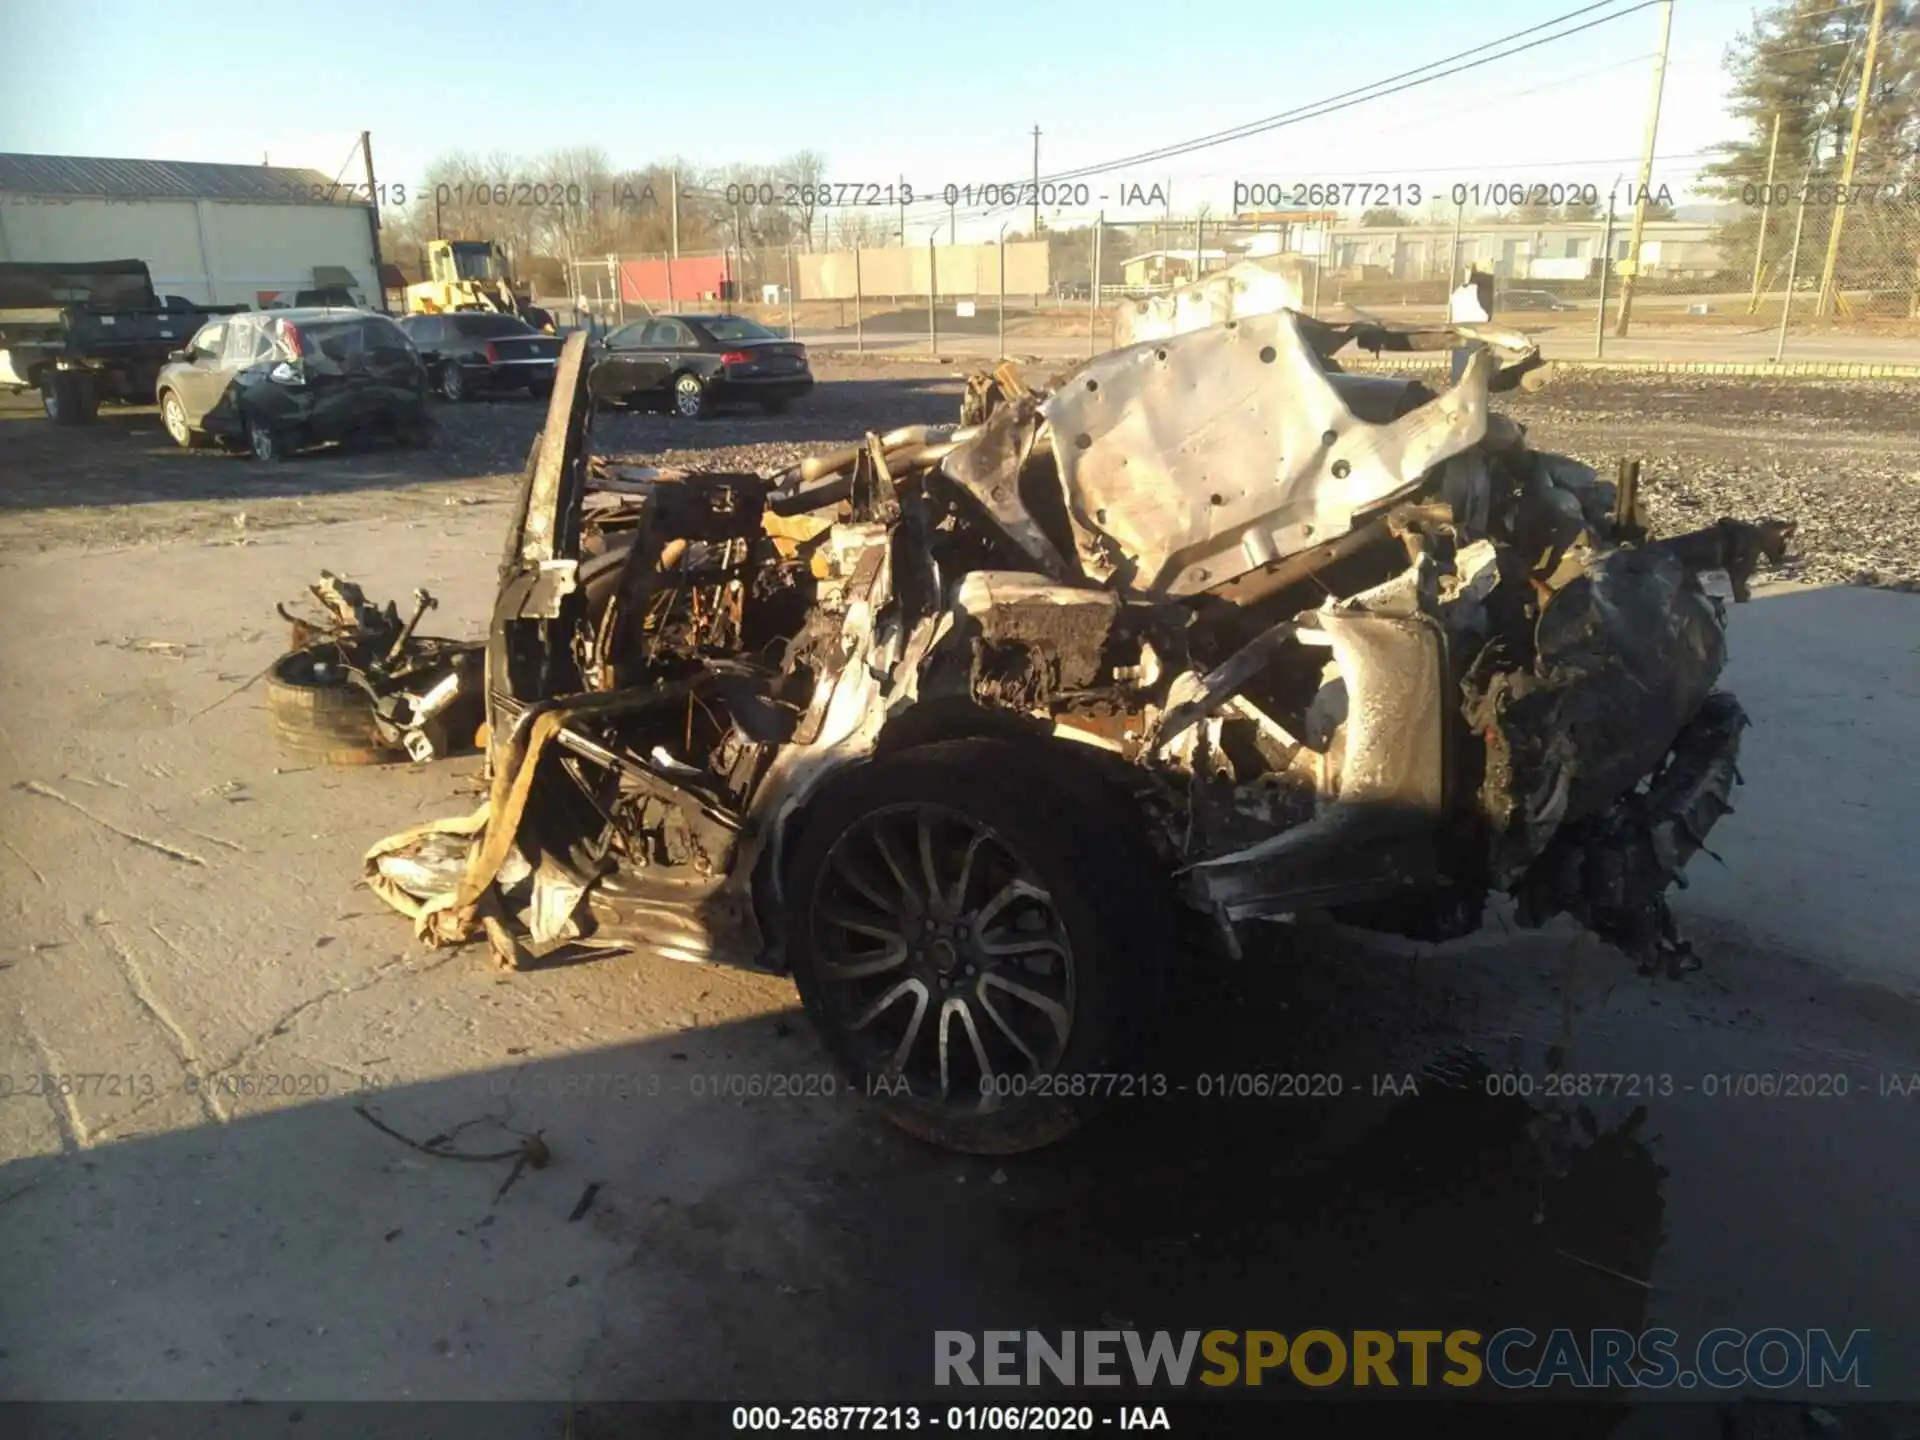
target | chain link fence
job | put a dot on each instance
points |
(1784, 272)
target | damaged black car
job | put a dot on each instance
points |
(970, 730)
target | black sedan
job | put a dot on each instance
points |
(693, 363)
(471, 350)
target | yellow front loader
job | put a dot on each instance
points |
(470, 275)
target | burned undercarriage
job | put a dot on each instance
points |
(953, 723)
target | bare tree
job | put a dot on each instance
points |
(805, 170)
(859, 229)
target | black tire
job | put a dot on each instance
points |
(1097, 954)
(69, 398)
(690, 397)
(322, 718)
(541, 389)
(264, 443)
(452, 384)
(173, 418)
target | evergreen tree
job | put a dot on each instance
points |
(1800, 60)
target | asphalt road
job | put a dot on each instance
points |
(223, 1224)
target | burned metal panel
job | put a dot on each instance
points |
(1209, 454)
(1375, 838)
(1627, 652)
(550, 527)
(989, 468)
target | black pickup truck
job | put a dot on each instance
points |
(82, 331)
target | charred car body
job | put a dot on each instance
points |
(957, 726)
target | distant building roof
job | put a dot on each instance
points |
(1187, 255)
(96, 177)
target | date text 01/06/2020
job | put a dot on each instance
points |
(975, 194)
(896, 1419)
(543, 195)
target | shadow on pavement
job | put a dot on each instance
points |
(689, 1241)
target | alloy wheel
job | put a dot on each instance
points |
(174, 415)
(944, 959)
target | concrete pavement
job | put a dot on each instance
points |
(196, 1236)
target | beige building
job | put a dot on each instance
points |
(1561, 250)
(955, 270)
(1169, 267)
(217, 234)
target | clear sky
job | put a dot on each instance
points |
(883, 88)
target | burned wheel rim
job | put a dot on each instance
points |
(688, 398)
(943, 959)
(174, 416)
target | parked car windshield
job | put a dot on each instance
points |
(725, 328)
(487, 327)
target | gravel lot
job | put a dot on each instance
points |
(1836, 456)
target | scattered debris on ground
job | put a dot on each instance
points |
(361, 687)
(531, 1152)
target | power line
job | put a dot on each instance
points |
(1378, 90)
(1347, 99)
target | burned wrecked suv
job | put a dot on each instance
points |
(957, 727)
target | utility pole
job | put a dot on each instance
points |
(1793, 252)
(1093, 289)
(1003, 290)
(902, 193)
(1036, 182)
(373, 201)
(675, 202)
(950, 223)
(1646, 171)
(1853, 153)
(1453, 265)
(1606, 264)
(1766, 199)
(740, 254)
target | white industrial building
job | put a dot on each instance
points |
(1516, 250)
(216, 234)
